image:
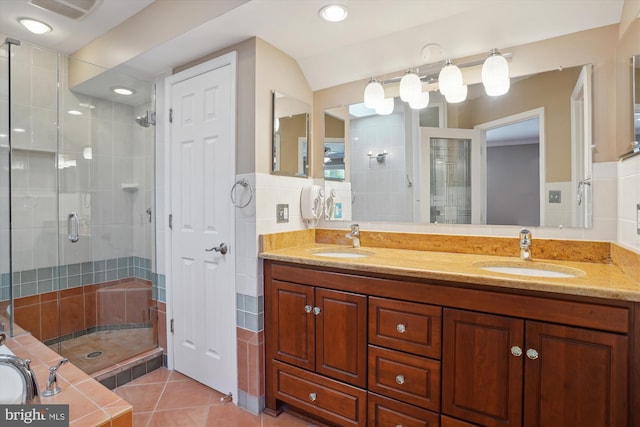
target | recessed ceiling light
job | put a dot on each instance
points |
(123, 91)
(334, 13)
(35, 26)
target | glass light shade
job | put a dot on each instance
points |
(373, 94)
(385, 107)
(495, 75)
(410, 86)
(419, 102)
(35, 26)
(459, 94)
(450, 78)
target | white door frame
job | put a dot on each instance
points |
(229, 59)
(515, 118)
(581, 140)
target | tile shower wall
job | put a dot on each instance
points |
(380, 188)
(105, 173)
(628, 199)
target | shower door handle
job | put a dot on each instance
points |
(73, 217)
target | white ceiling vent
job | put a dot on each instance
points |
(72, 9)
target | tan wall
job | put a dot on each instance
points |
(333, 127)
(275, 71)
(596, 46)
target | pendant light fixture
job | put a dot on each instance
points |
(385, 107)
(459, 94)
(419, 102)
(449, 78)
(410, 86)
(373, 94)
(495, 74)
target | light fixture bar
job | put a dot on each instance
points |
(433, 69)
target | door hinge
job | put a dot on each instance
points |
(171, 326)
(170, 115)
(171, 221)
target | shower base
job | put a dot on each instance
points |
(104, 351)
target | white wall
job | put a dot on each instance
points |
(628, 198)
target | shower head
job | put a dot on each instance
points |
(148, 119)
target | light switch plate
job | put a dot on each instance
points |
(555, 196)
(638, 217)
(282, 212)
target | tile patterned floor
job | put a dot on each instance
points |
(165, 398)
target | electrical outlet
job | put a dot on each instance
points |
(282, 212)
(555, 196)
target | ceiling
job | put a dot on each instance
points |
(379, 36)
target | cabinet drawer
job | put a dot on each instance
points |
(405, 326)
(384, 412)
(405, 377)
(332, 400)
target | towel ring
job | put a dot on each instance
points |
(244, 184)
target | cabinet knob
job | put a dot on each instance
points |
(307, 308)
(400, 379)
(532, 354)
(316, 310)
(313, 397)
(516, 351)
(401, 328)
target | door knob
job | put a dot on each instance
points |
(222, 248)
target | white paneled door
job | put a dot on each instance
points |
(202, 138)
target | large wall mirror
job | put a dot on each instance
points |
(290, 142)
(523, 158)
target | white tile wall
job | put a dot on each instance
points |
(628, 198)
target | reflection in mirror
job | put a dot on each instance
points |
(337, 190)
(290, 147)
(635, 97)
(523, 158)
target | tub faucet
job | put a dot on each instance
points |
(525, 245)
(30, 393)
(354, 235)
(52, 381)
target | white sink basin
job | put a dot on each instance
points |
(11, 382)
(342, 253)
(530, 269)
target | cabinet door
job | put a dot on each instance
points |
(481, 378)
(575, 377)
(292, 323)
(341, 336)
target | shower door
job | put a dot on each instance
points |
(80, 193)
(452, 184)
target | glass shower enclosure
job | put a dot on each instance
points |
(77, 193)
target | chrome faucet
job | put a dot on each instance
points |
(52, 381)
(30, 393)
(354, 235)
(525, 245)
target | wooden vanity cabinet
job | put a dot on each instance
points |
(505, 371)
(358, 349)
(323, 332)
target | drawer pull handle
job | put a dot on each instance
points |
(401, 328)
(400, 379)
(308, 308)
(532, 354)
(316, 310)
(516, 351)
(313, 397)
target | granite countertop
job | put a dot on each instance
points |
(599, 280)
